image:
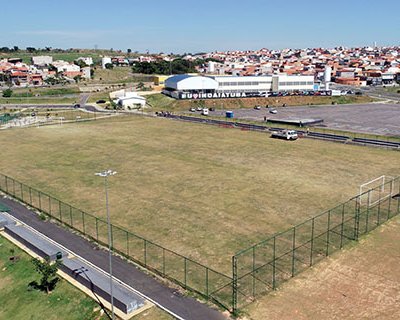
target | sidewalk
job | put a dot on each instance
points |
(171, 300)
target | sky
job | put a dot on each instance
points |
(198, 25)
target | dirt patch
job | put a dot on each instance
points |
(362, 282)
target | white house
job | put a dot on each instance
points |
(41, 61)
(128, 99)
(87, 60)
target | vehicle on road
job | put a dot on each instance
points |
(285, 134)
(204, 112)
(76, 106)
(273, 111)
(257, 107)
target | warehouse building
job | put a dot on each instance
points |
(217, 87)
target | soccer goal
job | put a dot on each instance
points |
(376, 190)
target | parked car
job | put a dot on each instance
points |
(285, 134)
(204, 112)
(192, 109)
(257, 107)
(100, 101)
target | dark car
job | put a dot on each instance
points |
(100, 101)
(358, 93)
(77, 106)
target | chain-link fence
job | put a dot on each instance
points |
(256, 270)
(189, 274)
(265, 265)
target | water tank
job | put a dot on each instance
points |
(327, 74)
(104, 61)
(211, 66)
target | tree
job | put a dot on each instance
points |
(47, 272)
(109, 66)
(80, 63)
(129, 51)
(7, 93)
(15, 49)
(30, 49)
(140, 86)
(77, 78)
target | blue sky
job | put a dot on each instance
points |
(193, 26)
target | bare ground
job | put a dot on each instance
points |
(360, 282)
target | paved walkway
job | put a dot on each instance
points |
(167, 298)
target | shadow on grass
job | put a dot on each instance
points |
(34, 285)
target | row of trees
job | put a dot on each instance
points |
(177, 66)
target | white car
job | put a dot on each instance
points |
(204, 112)
(273, 111)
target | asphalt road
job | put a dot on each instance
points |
(185, 307)
(380, 119)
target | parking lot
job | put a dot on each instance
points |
(382, 119)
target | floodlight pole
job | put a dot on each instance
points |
(105, 174)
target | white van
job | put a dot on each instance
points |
(204, 112)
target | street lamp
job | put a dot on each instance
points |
(105, 174)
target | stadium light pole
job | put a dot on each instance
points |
(105, 174)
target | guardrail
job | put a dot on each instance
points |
(315, 135)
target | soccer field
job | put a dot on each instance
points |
(203, 191)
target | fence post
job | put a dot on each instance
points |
(328, 233)
(127, 243)
(312, 242)
(163, 260)
(59, 209)
(40, 201)
(207, 282)
(367, 217)
(379, 207)
(50, 206)
(293, 251)
(83, 223)
(145, 251)
(234, 285)
(70, 216)
(390, 199)
(97, 229)
(22, 192)
(253, 271)
(357, 220)
(30, 195)
(274, 266)
(6, 183)
(341, 227)
(185, 271)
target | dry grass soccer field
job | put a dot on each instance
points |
(360, 282)
(202, 191)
